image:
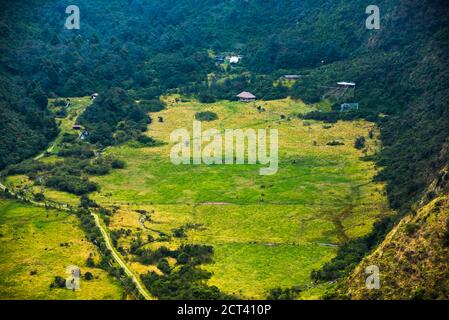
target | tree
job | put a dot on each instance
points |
(206, 97)
(164, 266)
(90, 261)
(58, 282)
(88, 276)
(360, 143)
(39, 197)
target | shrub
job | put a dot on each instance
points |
(39, 197)
(147, 256)
(86, 203)
(146, 141)
(81, 151)
(187, 283)
(411, 228)
(98, 170)
(90, 262)
(206, 116)
(61, 113)
(118, 164)
(360, 143)
(164, 266)
(179, 233)
(59, 103)
(58, 282)
(88, 276)
(152, 105)
(69, 138)
(206, 97)
(194, 254)
(283, 294)
(446, 235)
(27, 167)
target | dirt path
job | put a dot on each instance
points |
(214, 203)
(119, 260)
(107, 240)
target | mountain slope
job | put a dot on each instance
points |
(413, 258)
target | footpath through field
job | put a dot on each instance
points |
(106, 238)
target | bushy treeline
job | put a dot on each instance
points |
(185, 254)
(334, 116)
(115, 118)
(107, 262)
(284, 294)
(264, 87)
(185, 281)
(71, 184)
(71, 174)
(206, 116)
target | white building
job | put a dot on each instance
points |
(234, 59)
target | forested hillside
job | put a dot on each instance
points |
(25, 124)
(159, 44)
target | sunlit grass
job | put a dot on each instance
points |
(46, 242)
(267, 231)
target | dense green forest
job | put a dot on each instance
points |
(139, 49)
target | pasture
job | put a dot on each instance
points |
(267, 231)
(36, 245)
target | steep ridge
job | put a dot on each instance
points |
(412, 260)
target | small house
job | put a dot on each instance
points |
(346, 84)
(292, 76)
(246, 97)
(76, 127)
(234, 59)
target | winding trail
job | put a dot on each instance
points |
(120, 261)
(106, 238)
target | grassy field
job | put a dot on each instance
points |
(76, 108)
(65, 124)
(267, 231)
(36, 245)
(22, 182)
